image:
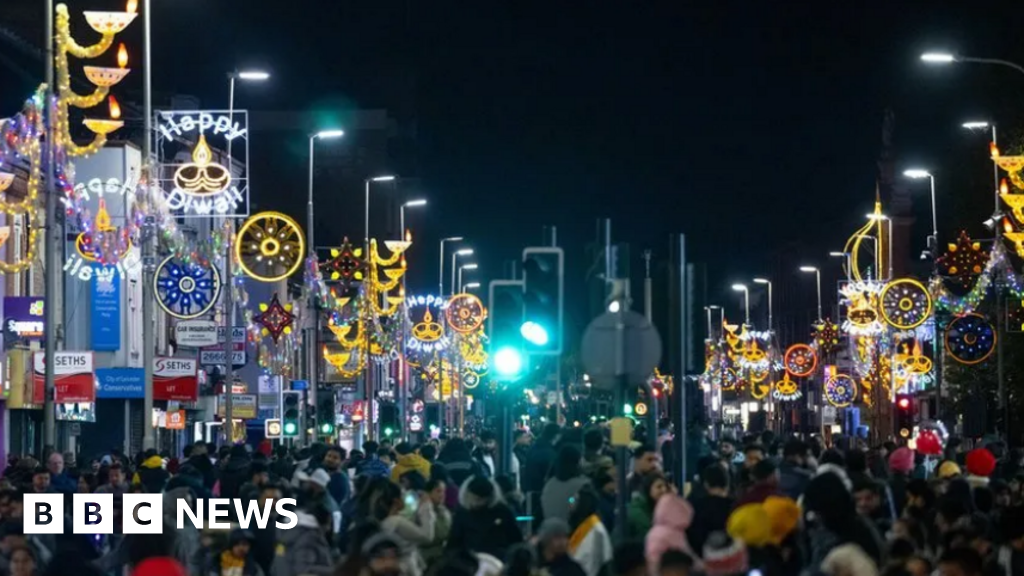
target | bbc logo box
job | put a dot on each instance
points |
(93, 514)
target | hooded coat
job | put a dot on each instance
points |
(484, 525)
(302, 549)
(235, 473)
(151, 475)
(408, 463)
(672, 516)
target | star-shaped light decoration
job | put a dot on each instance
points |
(275, 318)
(826, 337)
(963, 261)
(346, 263)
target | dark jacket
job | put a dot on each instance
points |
(303, 549)
(339, 487)
(373, 467)
(234, 475)
(63, 483)
(538, 462)
(251, 568)
(461, 466)
(793, 479)
(564, 565)
(710, 513)
(151, 475)
(201, 462)
(484, 525)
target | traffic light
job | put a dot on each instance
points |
(904, 415)
(541, 328)
(291, 413)
(389, 418)
(326, 410)
(505, 320)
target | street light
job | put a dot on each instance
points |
(471, 286)
(982, 125)
(366, 221)
(938, 58)
(461, 268)
(321, 135)
(401, 213)
(848, 256)
(455, 256)
(917, 174)
(440, 272)
(746, 300)
(768, 283)
(817, 277)
(253, 75)
(708, 309)
(949, 58)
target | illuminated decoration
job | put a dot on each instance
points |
(640, 409)
(6, 179)
(186, 290)
(195, 183)
(965, 260)
(905, 303)
(800, 360)
(348, 364)
(20, 136)
(730, 381)
(786, 389)
(840, 390)
(998, 264)
(1012, 165)
(873, 230)
(345, 264)
(275, 319)
(270, 246)
(341, 333)
(5, 233)
(862, 317)
(930, 438)
(826, 337)
(970, 339)
(465, 313)
(911, 369)
(470, 379)
(760, 390)
(753, 357)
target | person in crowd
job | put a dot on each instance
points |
(675, 563)
(793, 473)
(673, 516)
(566, 481)
(595, 460)
(339, 487)
(961, 561)
(433, 550)
(41, 481)
(712, 509)
(980, 466)
(724, 556)
(640, 514)
(483, 523)
(235, 560)
(590, 544)
(419, 532)
(265, 538)
(764, 478)
(605, 485)
(486, 452)
(752, 454)
(86, 483)
(901, 467)
(553, 549)
(830, 514)
(515, 499)
(151, 474)
(314, 487)
(645, 462)
(459, 461)
(372, 465)
(409, 460)
(869, 496)
(539, 460)
(304, 549)
(259, 476)
(23, 561)
(521, 441)
(60, 481)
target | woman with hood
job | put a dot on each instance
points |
(483, 523)
(640, 514)
(590, 545)
(303, 549)
(831, 518)
(672, 517)
(566, 482)
(408, 461)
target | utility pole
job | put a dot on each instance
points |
(148, 240)
(52, 271)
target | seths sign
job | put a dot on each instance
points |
(175, 379)
(74, 378)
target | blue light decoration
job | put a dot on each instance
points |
(840, 390)
(186, 291)
(970, 339)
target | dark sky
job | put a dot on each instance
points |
(747, 125)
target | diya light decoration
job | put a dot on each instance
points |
(862, 299)
(970, 339)
(786, 389)
(964, 260)
(800, 360)
(186, 290)
(1012, 165)
(465, 313)
(270, 246)
(202, 176)
(905, 303)
(275, 319)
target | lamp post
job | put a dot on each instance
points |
(471, 266)
(768, 283)
(401, 215)
(950, 58)
(440, 272)
(981, 125)
(455, 256)
(470, 286)
(879, 218)
(229, 304)
(817, 278)
(933, 241)
(746, 300)
(845, 255)
(366, 219)
(313, 323)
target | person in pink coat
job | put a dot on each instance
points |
(672, 516)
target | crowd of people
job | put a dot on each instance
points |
(763, 505)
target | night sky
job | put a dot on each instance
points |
(746, 126)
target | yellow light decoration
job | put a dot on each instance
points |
(1018, 241)
(104, 127)
(853, 244)
(107, 23)
(104, 77)
(1016, 204)
(270, 246)
(1012, 165)
(100, 224)
(340, 359)
(202, 176)
(905, 303)
(377, 260)
(758, 391)
(341, 335)
(427, 330)
(6, 179)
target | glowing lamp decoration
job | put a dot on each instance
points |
(840, 390)
(1017, 238)
(275, 319)
(465, 313)
(202, 176)
(425, 315)
(110, 23)
(964, 260)
(85, 243)
(186, 290)
(826, 337)
(270, 246)
(345, 263)
(1012, 165)
(104, 127)
(6, 179)
(106, 77)
(786, 389)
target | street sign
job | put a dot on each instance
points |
(243, 406)
(272, 428)
(237, 334)
(197, 333)
(216, 358)
(626, 332)
(300, 384)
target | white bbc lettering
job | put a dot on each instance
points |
(93, 514)
(43, 514)
(253, 510)
(218, 508)
(143, 513)
(283, 512)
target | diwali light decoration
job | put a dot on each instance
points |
(911, 369)
(840, 390)
(270, 246)
(275, 319)
(800, 360)
(427, 334)
(905, 303)
(862, 299)
(874, 231)
(345, 264)
(186, 290)
(964, 260)
(970, 339)
(202, 176)
(786, 389)
(465, 313)
(826, 337)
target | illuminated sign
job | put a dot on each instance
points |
(101, 249)
(426, 314)
(195, 181)
(23, 317)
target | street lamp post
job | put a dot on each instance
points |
(880, 218)
(470, 286)
(455, 255)
(440, 271)
(768, 283)
(949, 58)
(817, 278)
(470, 266)
(229, 304)
(933, 241)
(746, 300)
(401, 217)
(981, 125)
(366, 214)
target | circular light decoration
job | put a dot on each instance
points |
(826, 337)
(931, 438)
(270, 246)
(786, 389)
(729, 379)
(800, 360)
(840, 390)
(470, 379)
(970, 339)
(905, 303)
(275, 319)
(759, 374)
(465, 313)
(186, 290)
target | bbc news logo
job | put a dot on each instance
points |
(144, 513)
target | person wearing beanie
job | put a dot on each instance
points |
(901, 465)
(553, 549)
(235, 560)
(980, 466)
(783, 517)
(750, 524)
(672, 516)
(724, 556)
(483, 523)
(948, 470)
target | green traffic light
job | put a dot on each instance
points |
(388, 432)
(627, 409)
(508, 361)
(290, 428)
(534, 333)
(326, 428)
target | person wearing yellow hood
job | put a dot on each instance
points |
(151, 474)
(409, 460)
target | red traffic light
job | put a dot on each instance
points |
(903, 403)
